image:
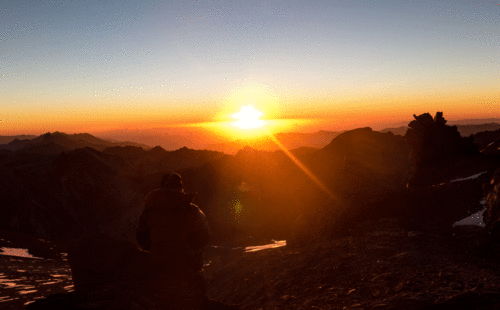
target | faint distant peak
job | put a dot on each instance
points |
(7, 139)
(157, 150)
(400, 131)
(248, 150)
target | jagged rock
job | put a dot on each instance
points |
(439, 119)
(362, 167)
(432, 140)
(433, 143)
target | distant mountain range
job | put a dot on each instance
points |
(173, 138)
(158, 159)
(55, 143)
(58, 185)
(169, 138)
(475, 121)
(7, 139)
(289, 140)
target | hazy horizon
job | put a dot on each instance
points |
(174, 138)
(178, 128)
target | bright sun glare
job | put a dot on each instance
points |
(248, 118)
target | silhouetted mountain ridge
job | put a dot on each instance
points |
(7, 139)
(289, 140)
(53, 143)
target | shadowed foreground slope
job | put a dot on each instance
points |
(380, 266)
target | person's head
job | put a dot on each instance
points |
(171, 181)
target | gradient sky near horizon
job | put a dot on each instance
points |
(81, 65)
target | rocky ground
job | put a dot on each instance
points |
(379, 265)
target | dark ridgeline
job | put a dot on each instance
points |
(7, 139)
(59, 141)
(290, 140)
(464, 130)
(67, 196)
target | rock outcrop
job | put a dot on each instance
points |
(362, 168)
(431, 140)
(434, 144)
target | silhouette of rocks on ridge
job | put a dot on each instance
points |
(432, 140)
(433, 144)
(158, 160)
(361, 159)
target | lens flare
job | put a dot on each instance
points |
(304, 169)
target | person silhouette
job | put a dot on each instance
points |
(174, 231)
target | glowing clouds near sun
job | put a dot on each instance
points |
(248, 118)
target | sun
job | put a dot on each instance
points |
(248, 118)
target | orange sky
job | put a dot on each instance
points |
(320, 112)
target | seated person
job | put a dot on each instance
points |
(175, 232)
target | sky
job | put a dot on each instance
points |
(89, 66)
